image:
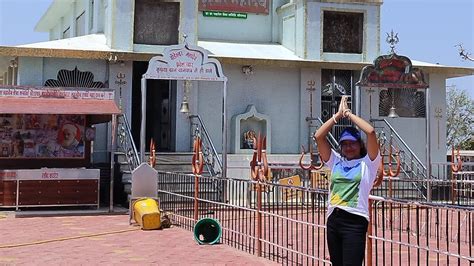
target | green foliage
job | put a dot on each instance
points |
(459, 119)
(468, 144)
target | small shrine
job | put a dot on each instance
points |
(246, 127)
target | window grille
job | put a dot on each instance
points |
(407, 102)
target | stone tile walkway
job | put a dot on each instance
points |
(109, 240)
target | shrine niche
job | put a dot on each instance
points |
(247, 126)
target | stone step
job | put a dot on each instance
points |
(169, 162)
(161, 157)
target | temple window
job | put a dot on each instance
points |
(343, 32)
(156, 22)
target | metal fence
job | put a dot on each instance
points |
(286, 224)
(410, 233)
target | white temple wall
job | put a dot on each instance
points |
(274, 92)
(30, 71)
(256, 28)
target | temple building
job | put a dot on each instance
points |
(287, 64)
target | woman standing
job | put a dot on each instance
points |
(353, 172)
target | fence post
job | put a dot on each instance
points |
(196, 194)
(259, 219)
(369, 233)
(197, 166)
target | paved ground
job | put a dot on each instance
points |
(106, 240)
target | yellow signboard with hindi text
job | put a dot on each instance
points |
(288, 193)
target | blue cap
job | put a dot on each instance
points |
(350, 133)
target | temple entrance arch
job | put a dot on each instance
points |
(184, 62)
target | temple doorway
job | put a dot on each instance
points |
(159, 108)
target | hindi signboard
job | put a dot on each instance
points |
(246, 6)
(184, 62)
(32, 92)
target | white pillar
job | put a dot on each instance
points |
(88, 13)
(72, 27)
(96, 16)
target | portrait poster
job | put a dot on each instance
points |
(41, 136)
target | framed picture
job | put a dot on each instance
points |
(42, 136)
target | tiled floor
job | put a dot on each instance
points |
(108, 240)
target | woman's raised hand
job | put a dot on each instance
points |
(343, 105)
(341, 109)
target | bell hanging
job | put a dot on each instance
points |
(184, 107)
(392, 113)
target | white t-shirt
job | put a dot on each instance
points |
(351, 182)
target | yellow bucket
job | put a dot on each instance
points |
(147, 214)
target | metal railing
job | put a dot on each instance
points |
(410, 163)
(211, 158)
(314, 124)
(413, 233)
(455, 188)
(126, 144)
(411, 167)
(287, 225)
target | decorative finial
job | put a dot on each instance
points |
(464, 54)
(14, 63)
(392, 39)
(187, 84)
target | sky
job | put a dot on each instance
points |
(428, 29)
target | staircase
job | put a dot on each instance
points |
(411, 183)
(179, 162)
(168, 164)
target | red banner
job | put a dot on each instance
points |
(245, 6)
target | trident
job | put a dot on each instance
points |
(259, 163)
(259, 172)
(198, 159)
(391, 172)
(197, 165)
(458, 166)
(455, 167)
(312, 165)
(152, 153)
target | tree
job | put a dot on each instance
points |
(459, 118)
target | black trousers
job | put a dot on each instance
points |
(346, 234)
